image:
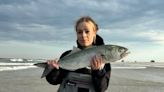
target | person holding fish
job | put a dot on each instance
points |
(89, 79)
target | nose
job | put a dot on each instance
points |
(84, 34)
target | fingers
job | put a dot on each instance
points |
(97, 62)
(53, 63)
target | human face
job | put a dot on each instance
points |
(86, 33)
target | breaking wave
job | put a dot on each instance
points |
(9, 64)
(15, 68)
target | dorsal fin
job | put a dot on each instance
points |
(74, 50)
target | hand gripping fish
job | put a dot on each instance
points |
(77, 58)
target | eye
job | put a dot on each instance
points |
(121, 50)
(86, 31)
(79, 31)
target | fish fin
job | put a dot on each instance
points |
(46, 71)
(74, 50)
(42, 65)
(100, 54)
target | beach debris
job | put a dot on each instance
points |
(152, 61)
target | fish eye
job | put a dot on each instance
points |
(121, 50)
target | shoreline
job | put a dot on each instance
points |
(150, 79)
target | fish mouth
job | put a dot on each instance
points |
(126, 52)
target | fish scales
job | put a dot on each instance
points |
(81, 58)
(78, 59)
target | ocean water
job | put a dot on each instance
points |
(9, 64)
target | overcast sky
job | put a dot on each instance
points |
(45, 28)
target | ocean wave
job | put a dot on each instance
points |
(16, 68)
(118, 67)
(28, 64)
(20, 60)
(159, 66)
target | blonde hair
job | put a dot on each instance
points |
(86, 19)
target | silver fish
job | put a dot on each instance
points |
(77, 58)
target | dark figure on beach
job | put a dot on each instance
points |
(90, 79)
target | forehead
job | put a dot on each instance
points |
(85, 24)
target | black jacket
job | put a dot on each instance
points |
(100, 78)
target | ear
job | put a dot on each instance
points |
(94, 39)
(95, 32)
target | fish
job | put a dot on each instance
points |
(78, 58)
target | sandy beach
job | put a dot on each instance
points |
(149, 79)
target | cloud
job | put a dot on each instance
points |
(44, 20)
(36, 32)
(157, 36)
(29, 50)
(51, 22)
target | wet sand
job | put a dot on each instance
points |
(149, 79)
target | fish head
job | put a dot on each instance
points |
(114, 52)
(123, 51)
